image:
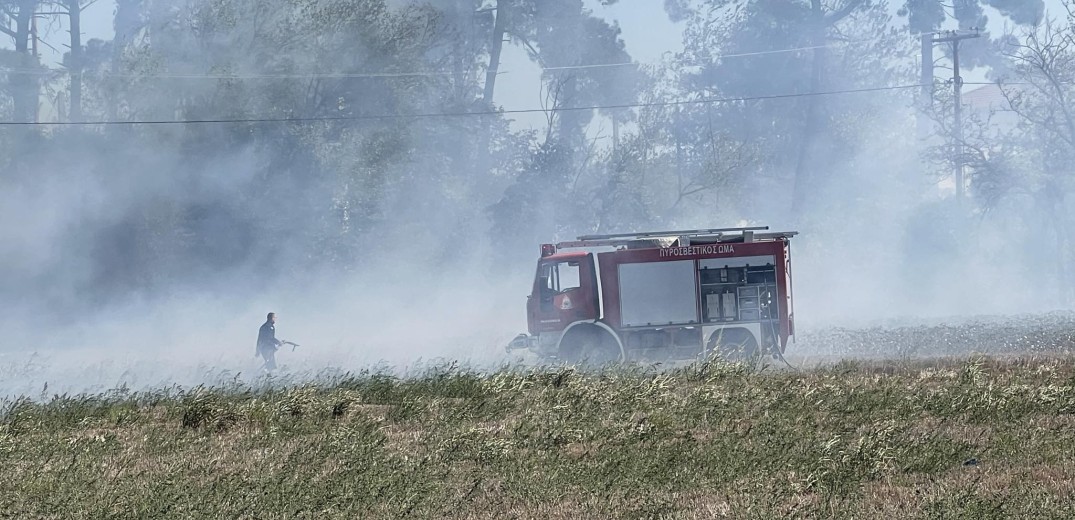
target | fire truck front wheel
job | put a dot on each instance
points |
(589, 345)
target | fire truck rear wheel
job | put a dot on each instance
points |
(735, 346)
(590, 346)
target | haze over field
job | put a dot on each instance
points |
(361, 168)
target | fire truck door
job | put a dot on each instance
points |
(566, 292)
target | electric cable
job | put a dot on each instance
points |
(427, 115)
(432, 73)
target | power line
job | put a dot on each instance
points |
(169, 75)
(1006, 83)
(428, 115)
(714, 58)
(431, 73)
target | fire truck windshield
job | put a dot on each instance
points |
(560, 276)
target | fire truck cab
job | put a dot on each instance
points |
(662, 296)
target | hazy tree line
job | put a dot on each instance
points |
(372, 166)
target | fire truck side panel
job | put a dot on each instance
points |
(657, 293)
(635, 283)
(611, 261)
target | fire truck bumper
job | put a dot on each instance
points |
(522, 342)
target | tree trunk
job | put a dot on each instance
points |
(500, 26)
(803, 181)
(24, 85)
(75, 13)
(496, 45)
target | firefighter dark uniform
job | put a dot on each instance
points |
(267, 344)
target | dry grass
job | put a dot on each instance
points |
(977, 438)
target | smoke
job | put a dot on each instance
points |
(393, 319)
(99, 297)
(148, 256)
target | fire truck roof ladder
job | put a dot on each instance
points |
(683, 233)
(671, 238)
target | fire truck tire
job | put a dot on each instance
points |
(734, 345)
(590, 345)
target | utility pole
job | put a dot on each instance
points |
(33, 38)
(615, 135)
(957, 83)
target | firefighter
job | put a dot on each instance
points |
(267, 342)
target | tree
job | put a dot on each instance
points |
(821, 21)
(925, 16)
(196, 202)
(522, 20)
(1044, 62)
(15, 21)
(565, 39)
(1019, 152)
(801, 149)
(929, 15)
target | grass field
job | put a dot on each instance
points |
(969, 438)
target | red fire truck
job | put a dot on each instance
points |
(662, 296)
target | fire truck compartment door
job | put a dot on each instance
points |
(658, 293)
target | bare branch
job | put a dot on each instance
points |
(586, 159)
(534, 54)
(549, 101)
(834, 17)
(47, 44)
